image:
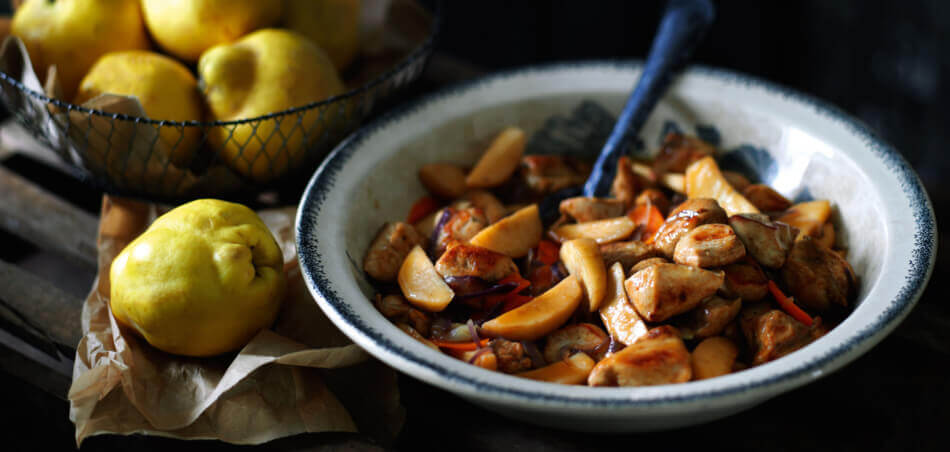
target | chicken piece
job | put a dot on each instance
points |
(549, 173)
(417, 336)
(684, 218)
(460, 225)
(664, 290)
(393, 307)
(626, 184)
(765, 198)
(818, 277)
(709, 245)
(583, 209)
(627, 253)
(678, 151)
(654, 197)
(711, 317)
(659, 357)
(493, 208)
(511, 356)
(390, 247)
(444, 180)
(420, 321)
(772, 333)
(737, 180)
(745, 280)
(766, 240)
(469, 260)
(646, 263)
(584, 337)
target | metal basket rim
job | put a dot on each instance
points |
(419, 52)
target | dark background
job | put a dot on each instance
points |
(882, 61)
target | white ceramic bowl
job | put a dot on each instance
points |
(799, 145)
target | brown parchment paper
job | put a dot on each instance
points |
(273, 387)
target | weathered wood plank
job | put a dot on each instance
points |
(43, 219)
(41, 304)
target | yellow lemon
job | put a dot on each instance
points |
(186, 28)
(73, 34)
(333, 24)
(202, 280)
(164, 87)
(266, 71)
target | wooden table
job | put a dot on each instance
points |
(894, 397)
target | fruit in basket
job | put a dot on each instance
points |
(264, 72)
(202, 280)
(333, 24)
(166, 89)
(186, 28)
(73, 34)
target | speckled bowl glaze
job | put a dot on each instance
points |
(801, 146)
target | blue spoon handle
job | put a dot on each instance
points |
(682, 27)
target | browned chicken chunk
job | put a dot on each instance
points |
(390, 247)
(709, 245)
(765, 199)
(772, 334)
(818, 277)
(766, 240)
(511, 356)
(646, 263)
(393, 307)
(581, 337)
(461, 225)
(663, 290)
(684, 218)
(626, 184)
(711, 317)
(549, 173)
(745, 280)
(654, 197)
(583, 209)
(659, 357)
(678, 151)
(463, 259)
(627, 253)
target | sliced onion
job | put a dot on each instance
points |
(434, 239)
(478, 353)
(537, 360)
(460, 281)
(474, 332)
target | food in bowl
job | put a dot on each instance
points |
(686, 272)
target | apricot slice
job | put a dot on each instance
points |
(571, 371)
(513, 235)
(582, 259)
(499, 161)
(421, 284)
(808, 217)
(623, 322)
(704, 180)
(714, 356)
(540, 316)
(601, 231)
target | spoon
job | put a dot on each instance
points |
(682, 27)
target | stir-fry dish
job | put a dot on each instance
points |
(685, 272)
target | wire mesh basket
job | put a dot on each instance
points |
(120, 151)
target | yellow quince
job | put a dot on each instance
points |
(264, 72)
(202, 280)
(166, 89)
(73, 34)
(333, 24)
(186, 28)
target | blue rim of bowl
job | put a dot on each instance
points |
(915, 279)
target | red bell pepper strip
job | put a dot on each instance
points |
(788, 305)
(424, 206)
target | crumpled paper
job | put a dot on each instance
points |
(273, 387)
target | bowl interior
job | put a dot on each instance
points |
(794, 144)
